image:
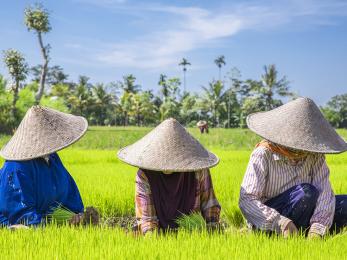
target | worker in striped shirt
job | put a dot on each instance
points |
(286, 186)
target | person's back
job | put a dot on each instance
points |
(30, 190)
(34, 181)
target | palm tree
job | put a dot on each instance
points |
(214, 98)
(80, 99)
(128, 84)
(184, 63)
(102, 103)
(270, 86)
(164, 86)
(220, 61)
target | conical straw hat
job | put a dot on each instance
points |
(168, 147)
(42, 132)
(298, 124)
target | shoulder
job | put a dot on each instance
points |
(261, 153)
(55, 157)
(16, 166)
(316, 159)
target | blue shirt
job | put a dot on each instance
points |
(29, 190)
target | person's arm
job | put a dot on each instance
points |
(323, 214)
(18, 198)
(252, 187)
(74, 201)
(209, 207)
(144, 206)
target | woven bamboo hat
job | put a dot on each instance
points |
(42, 132)
(168, 148)
(298, 124)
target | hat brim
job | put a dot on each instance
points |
(79, 120)
(205, 163)
(287, 142)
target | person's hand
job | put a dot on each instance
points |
(313, 235)
(289, 230)
(90, 217)
(213, 226)
(19, 226)
(76, 219)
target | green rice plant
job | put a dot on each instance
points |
(194, 221)
(60, 215)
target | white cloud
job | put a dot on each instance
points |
(190, 28)
(194, 28)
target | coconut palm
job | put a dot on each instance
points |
(270, 86)
(220, 62)
(128, 84)
(164, 86)
(103, 103)
(184, 63)
(214, 99)
(81, 97)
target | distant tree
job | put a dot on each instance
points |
(55, 74)
(251, 105)
(84, 81)
(232, 93)
(103, 103)
(126, 106)
(214, 99)
(164, 87)
(189, 109)
(336, 111)
(80, 100)
(128, 85)
(18, 69)
(270, 86)
(3, 84)
(170, 107)
(184, 63)
(220, 61)
(173, 85)
(37, 19)
(143, 110)
(60, 90)
(5, 107)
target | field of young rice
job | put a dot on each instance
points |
(108, 184)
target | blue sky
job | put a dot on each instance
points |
(105, 39)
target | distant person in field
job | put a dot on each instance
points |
(203, 126)
(33, 180)
(173, 178)
(286, 187)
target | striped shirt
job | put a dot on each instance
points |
(205, 201)
(269, 174)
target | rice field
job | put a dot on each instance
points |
(108, 184)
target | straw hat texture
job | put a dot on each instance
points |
(298, 124)
(42, 132)
(168, 147)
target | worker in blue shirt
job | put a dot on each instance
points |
(33, 180)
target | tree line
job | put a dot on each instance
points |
(224, 102)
